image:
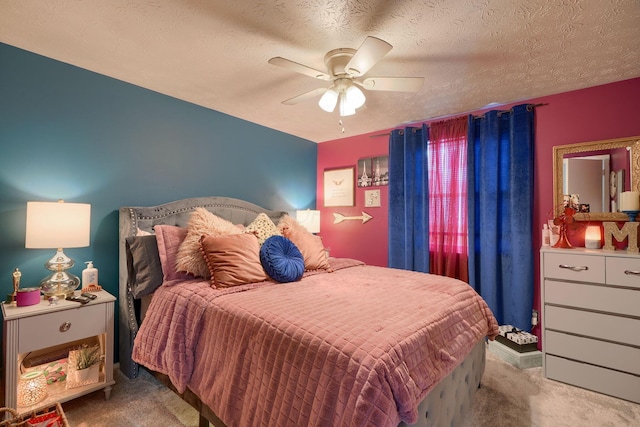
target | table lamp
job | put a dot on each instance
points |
(592, 237)
(309, 219)
(32, 388)
(57, 225)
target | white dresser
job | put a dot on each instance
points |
(591, 319)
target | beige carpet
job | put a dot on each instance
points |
(512, 397)
(142, 402)
(509, 397)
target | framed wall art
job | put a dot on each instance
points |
(364, 173)
(339, 187)
(373, 171)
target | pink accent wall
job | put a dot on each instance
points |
(597, 113)
(350, 238)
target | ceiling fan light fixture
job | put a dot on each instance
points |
(345, 108)
(328, 100)
(346, 68)
(355, 97)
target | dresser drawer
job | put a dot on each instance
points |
(623, 271)
(593, 297)
(607, 327)
(577, 267)
(83, 322)
(614, 383)
(601, 353)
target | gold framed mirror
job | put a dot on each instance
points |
(560, 152)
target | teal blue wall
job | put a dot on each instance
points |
(68, 133)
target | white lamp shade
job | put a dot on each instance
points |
(355, 97)
(58, 225)
(345, 108)
(329, 100)
(592, 233)
(309, 219)
(592, 237)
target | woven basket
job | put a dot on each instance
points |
(10, 418)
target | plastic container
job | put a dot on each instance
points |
(546, 235)
(89, 275)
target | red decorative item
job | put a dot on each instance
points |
(563, 221)
(563, 241)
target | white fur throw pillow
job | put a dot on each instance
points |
(201, 223)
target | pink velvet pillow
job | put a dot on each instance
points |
(169, 238)
(233, 259)
(310, 245)
(201, 223)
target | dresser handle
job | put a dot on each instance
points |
(65, 327)
(632, 272)
(572, 268)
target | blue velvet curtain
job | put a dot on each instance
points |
(409, 199)
(501, 212)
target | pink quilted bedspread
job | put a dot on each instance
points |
(360, 346)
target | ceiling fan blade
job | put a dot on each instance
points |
(299, 68)
(305, 96)
(368, 54)
(394, 84)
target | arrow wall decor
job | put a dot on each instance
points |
(338, 218)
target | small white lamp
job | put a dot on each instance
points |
(329, 100)
(346, 108)
(354, 97)
(57, 225)
(592, 237)
(309, 219)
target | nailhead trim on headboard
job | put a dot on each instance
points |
(134, 218)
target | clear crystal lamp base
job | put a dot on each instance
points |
(60, 282)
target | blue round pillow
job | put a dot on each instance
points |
(281, 259)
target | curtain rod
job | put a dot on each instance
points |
(378, 135)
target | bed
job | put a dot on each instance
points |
(339, 346)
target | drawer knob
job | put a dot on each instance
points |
(574, 268)
(632, 272)
(65, 327)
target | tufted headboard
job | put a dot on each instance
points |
(133, 219)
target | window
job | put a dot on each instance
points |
(447, 158)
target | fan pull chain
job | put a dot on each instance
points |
(341, 125)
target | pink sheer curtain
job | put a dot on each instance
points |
(448, 198)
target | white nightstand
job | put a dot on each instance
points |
(42, 331)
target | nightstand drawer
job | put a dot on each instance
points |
(62, 326)
(576, 267)
(623, 271)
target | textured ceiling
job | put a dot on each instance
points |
(214, 53)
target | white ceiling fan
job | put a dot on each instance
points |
(346, 68)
